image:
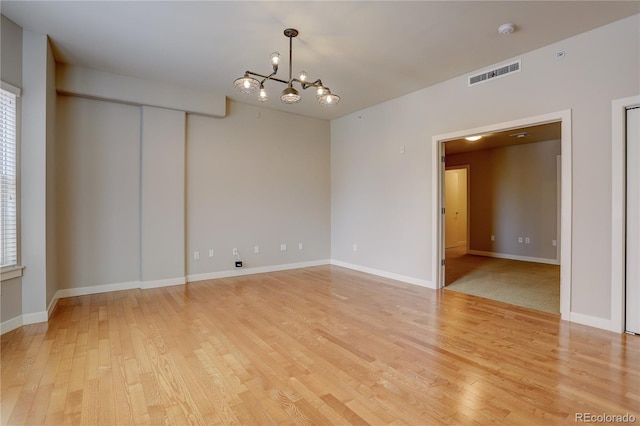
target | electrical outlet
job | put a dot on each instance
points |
(493, 238)
(520, 240)
(283, 247)
(196, 255)
(554, 243)
(527, 240)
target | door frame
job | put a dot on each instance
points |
(437, 191)
(618, 209)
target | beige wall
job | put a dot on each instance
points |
(124, 172)
(513, 193)
(257, 177)
(37, 147)
(382, 199)
(98, 211)
(11, 72)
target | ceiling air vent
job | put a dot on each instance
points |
(497, 72)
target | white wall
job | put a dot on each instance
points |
(381, 199)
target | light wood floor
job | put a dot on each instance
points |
(322, 345)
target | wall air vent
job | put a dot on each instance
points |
(495, 72)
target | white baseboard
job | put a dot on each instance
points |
(251, 271)
(385, 274)
(514, 257)
(96, 289)
(52, 305)
(11, 324)
(34, 318)
(163, 283)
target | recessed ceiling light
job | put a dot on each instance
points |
(519, 135)
(473, 138)
(506, 29)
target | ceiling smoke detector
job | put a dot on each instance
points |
(506, 29)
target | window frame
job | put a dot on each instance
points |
(15, 270)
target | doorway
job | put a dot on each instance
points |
(439, 219)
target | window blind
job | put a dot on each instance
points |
(8, 184)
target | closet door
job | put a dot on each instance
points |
(633, 221)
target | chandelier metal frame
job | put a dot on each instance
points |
(290, 95)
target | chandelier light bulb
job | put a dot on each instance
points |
(263, 94)
(246, 84)
(321, 91)
(328, 99)
(303, 76)
(275, 58)
(290, 95)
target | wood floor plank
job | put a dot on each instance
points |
(321, 345)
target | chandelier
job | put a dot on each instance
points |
(290, 95)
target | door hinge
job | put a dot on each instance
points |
(443, 210)
(442, 262)
(443, 159)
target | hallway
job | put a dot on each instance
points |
(528, 284)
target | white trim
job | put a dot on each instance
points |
(104, 288)
(34, 318)
(163, 283)
(592, 321)
(251, 271)
(514, 257)
(10, 88)
(52, 305)
(565, 209)
(11, 324)
(10, 272)
(618, 220)
(385, 274)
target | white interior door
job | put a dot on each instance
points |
(456, 207)
(633, 222)
(451, 208)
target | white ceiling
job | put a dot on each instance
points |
(365, 51)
